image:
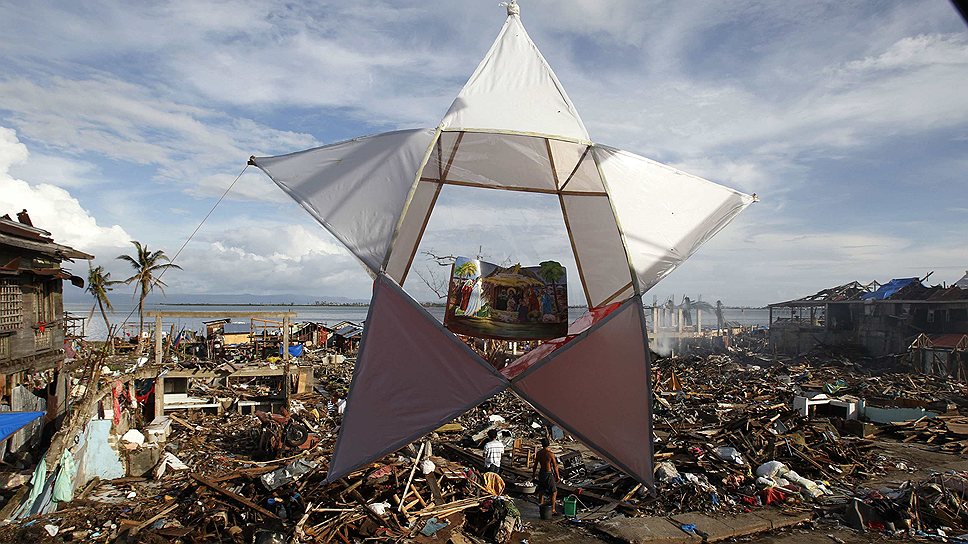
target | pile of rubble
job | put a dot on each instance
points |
(735, 433)
(210, 484)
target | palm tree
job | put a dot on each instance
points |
(552, 271)
(99, 282)
(466, 269)
(146, 264)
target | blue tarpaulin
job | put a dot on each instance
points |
(885, 291)
(295, 351)
(11, 422)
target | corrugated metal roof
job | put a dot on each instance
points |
(963, 282)
(897, 290)
(25, 237)
(349, 330)
(236, 328)
(949, 341)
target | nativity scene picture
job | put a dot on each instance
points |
(513, 303)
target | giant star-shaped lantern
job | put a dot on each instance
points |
(630, 221)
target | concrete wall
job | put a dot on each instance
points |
(96, 455)
(793, 339)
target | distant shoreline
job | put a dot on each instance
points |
(323, 305)
(290, 305)
(361, 305)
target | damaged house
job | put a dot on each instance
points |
(32, 323)
(881, 319)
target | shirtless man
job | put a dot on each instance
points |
(548, 475)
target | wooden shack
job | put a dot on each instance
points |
(33, 327)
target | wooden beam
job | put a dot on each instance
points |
(615, 294)
(232, 495)
(134, 530)
(575, 169)
(518, 189)
(434, 486)
(551, 162)
(378, 519)
(450, 160)
(423, 228)
(574, 250)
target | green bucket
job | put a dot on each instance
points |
(570, 506)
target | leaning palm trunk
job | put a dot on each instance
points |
(107, 327)
(141, 323)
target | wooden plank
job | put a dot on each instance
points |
(232, 495)
(577, 166)
(89, 487)
(514, 188)
(612, 297)
(632, 492)
(134, 530)
(574, 250)
(551, 162)
(423, 228)
(413, 471)
(434, 486)
(378, 519)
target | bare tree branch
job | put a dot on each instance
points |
(441, 260)
(431, 277)
(433, 282)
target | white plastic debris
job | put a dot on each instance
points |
(427, 466)
(134, 436)
(667, 473)
(777, 474)
(771, 469)
(169, 460)
(379, 508)
(494, 418)
(729, 454)
(52, 530)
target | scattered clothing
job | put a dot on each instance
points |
(493, 483)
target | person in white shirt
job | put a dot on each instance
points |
(493, 450)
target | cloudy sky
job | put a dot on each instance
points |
(849, 120)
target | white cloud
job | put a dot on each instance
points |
(72, 172)
(761, 259)
(253, 185)
(266, 259)
(51, 208)
(750, 94)
(126, 122)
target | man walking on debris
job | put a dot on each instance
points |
(493, 451)
(548, 475)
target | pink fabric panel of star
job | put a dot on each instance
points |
(597, 388)
(411, 375)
